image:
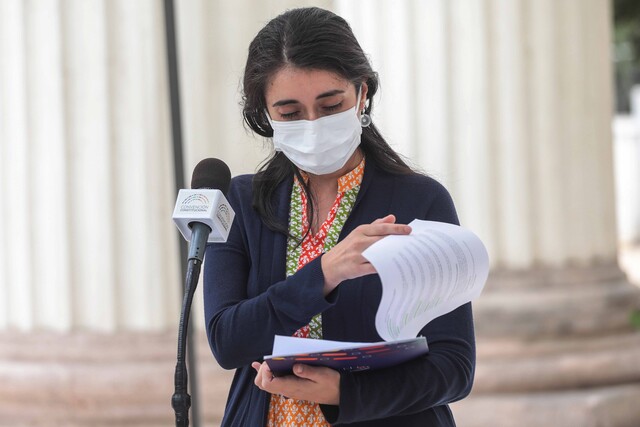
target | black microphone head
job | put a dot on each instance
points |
(211, 173)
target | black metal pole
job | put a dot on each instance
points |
(178, 164)
(181, 401)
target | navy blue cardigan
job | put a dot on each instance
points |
(248, 300)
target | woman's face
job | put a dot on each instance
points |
(304, 94)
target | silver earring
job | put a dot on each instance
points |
(365, 120)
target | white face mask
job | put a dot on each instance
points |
(319, 146)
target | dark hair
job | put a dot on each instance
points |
(307, 38)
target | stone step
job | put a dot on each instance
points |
(100, 380)
(615, 406)
(508, 366)
(556, 302)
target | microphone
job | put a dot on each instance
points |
(203, 213)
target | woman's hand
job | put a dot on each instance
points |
(345, 261)
(312, 383)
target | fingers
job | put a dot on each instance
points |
(387, 219)
(384, 226)
(345, 261)
(314, 373)
(313, 383)
(264, 376)
(322, 384)
(384, 229)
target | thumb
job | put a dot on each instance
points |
(311, 373)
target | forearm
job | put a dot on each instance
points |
(241, 328)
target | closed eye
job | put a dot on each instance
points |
(289, 116)
(332, 108)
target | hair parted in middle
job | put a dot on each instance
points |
(306, 38)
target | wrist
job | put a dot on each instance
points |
(330, 282)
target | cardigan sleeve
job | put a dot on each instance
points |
(240, 328)
(444, 375)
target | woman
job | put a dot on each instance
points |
(293, 262)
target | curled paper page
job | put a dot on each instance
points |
(432, 271)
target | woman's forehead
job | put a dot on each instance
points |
(292, 82)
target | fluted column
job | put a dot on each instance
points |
(15, 306)
(87, 242)
(507, 102)
(90, 160)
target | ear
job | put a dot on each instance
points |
(363, 97)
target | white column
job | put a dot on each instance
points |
(472, 146)
(85, 172)
(598, 33)
(90, 160)
(146, 277)
(545, 122)
(16, 282)
(48, 187)
(433, 87)
(513, 146)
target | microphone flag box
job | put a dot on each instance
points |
(207, 206)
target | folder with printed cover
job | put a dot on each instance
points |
(342, 356)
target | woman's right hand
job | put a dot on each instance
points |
(345, 261)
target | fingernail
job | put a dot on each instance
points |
(298, 369)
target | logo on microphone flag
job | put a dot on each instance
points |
(195, 203)
(224, 216)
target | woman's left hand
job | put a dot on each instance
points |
(313, 383)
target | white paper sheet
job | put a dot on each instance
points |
(432, 271)
(284, 346)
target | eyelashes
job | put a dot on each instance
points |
(290, 115)
(332, 108)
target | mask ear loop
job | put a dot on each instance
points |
(365, 119)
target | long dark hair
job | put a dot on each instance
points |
(307, 38)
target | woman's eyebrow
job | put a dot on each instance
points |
(294, 101)
(285, 102)
(330, 93)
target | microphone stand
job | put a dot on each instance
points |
(181, 400)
